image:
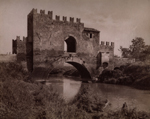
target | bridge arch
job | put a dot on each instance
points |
(44, 73)
(82, 70)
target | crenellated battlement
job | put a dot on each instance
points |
(71, 19)
(42, 11)
(57, 18)
(103, 43)
(18, 39)
(64, 18)
(78, 20)
(51, 36)
(18, 45)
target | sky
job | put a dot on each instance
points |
(118, 21)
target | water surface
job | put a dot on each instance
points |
(116, 94)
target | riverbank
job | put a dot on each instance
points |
(135, 75)
(25, 99)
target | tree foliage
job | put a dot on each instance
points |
(145, 54)
(125, 52)
(137, 49)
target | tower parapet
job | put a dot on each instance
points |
(24, 38)
(107, 43)
(102, 43)
(50, 14)
(18, 38)
(107, 53)
(42, 11)
(64, 18)
(19, 46)
(78, 20)
(33, 11)
(111, 44)
(71, 19)
(57, 18)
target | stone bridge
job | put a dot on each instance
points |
(75, 61)
(50, 39)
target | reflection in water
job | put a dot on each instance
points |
(70, 88)
(67, 87)
(116, 94)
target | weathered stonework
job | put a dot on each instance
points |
(49, 38)
(19, 48)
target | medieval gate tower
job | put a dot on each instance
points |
(49, 38)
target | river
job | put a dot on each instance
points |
(68, 87)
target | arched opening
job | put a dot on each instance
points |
(85, 74)
(44, 73)
(70, 45)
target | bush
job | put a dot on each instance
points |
(88, 101)
(16, 100)
(11, 71)
(23, 100)
(139, 71)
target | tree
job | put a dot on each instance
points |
(137, 47)
(125, 52)
(145, 54)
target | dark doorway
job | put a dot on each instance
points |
(71, 44)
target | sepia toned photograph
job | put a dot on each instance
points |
(74, 59)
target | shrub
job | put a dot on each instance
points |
(88, 101)
(16, 100)
(12, 70)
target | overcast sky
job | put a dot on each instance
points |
(119, 21)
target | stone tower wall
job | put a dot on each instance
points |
(19, 48)
(48, 35)
(107, 50)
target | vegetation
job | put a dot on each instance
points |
(24, 99)
(136, 74)
(140, 73)
(137, 50)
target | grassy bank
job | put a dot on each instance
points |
(140, 71)
(24, 99)
(136, 74)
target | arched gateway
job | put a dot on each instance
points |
(70, 44)
(44, 44)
